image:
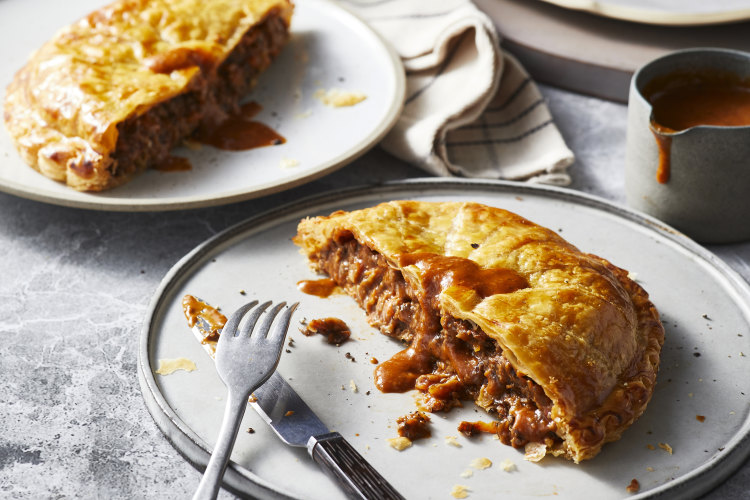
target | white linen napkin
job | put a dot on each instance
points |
(471, 110)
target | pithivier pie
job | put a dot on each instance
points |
(111, 94)
(562, 347)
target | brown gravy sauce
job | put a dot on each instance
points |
(238, 132)
(195, 309)
(173, 164)
(320, 288)
(472, 428)
(441, 272)
(401, 371)
(233, 132)
(334, 330)
(684, 100)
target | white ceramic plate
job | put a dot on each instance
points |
(703, 303)
(664, 12)
(329, 48)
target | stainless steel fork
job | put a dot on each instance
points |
(244, 360)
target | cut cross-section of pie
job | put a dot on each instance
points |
(560, 346)
(112, 93)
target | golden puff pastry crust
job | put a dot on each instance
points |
(516, 301)
(71, 110)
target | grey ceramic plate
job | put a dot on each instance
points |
(705, 311)
(329, 48)
(664, 12)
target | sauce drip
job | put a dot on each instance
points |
(173, 164)
(320, 288)
(664, 143)
(401, 371)
(196, 310)
(237, 132)
(441, 272)
(684, 100)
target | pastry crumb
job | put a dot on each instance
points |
(650, 469)
(467, 473)
(481, 463)
(353, 386)
(534, 452)
(650, 447)
(289, 413)
(634, 486)
(507, 465)
(339, 98)
(288, 163)
(700, 418)
(452, 441)
(399, 443)
(169, 366)
(459, 491)
(665, 447)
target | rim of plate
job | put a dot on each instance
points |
(654, 16)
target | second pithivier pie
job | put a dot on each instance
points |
(111, 94)
(562, 347)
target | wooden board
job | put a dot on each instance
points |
(591, 54)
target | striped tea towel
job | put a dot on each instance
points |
(471, 110)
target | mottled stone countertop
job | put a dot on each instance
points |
(74, 289)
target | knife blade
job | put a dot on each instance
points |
(294, 422)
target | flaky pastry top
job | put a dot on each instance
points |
(581, 329)
(115, 63)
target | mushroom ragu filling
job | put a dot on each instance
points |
(447, 359)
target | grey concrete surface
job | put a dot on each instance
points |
(74, 288)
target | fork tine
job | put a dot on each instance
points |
(234, 320)
(263, 330)
(247, 328)
(282, 326)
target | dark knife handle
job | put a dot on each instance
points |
(341, 461)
